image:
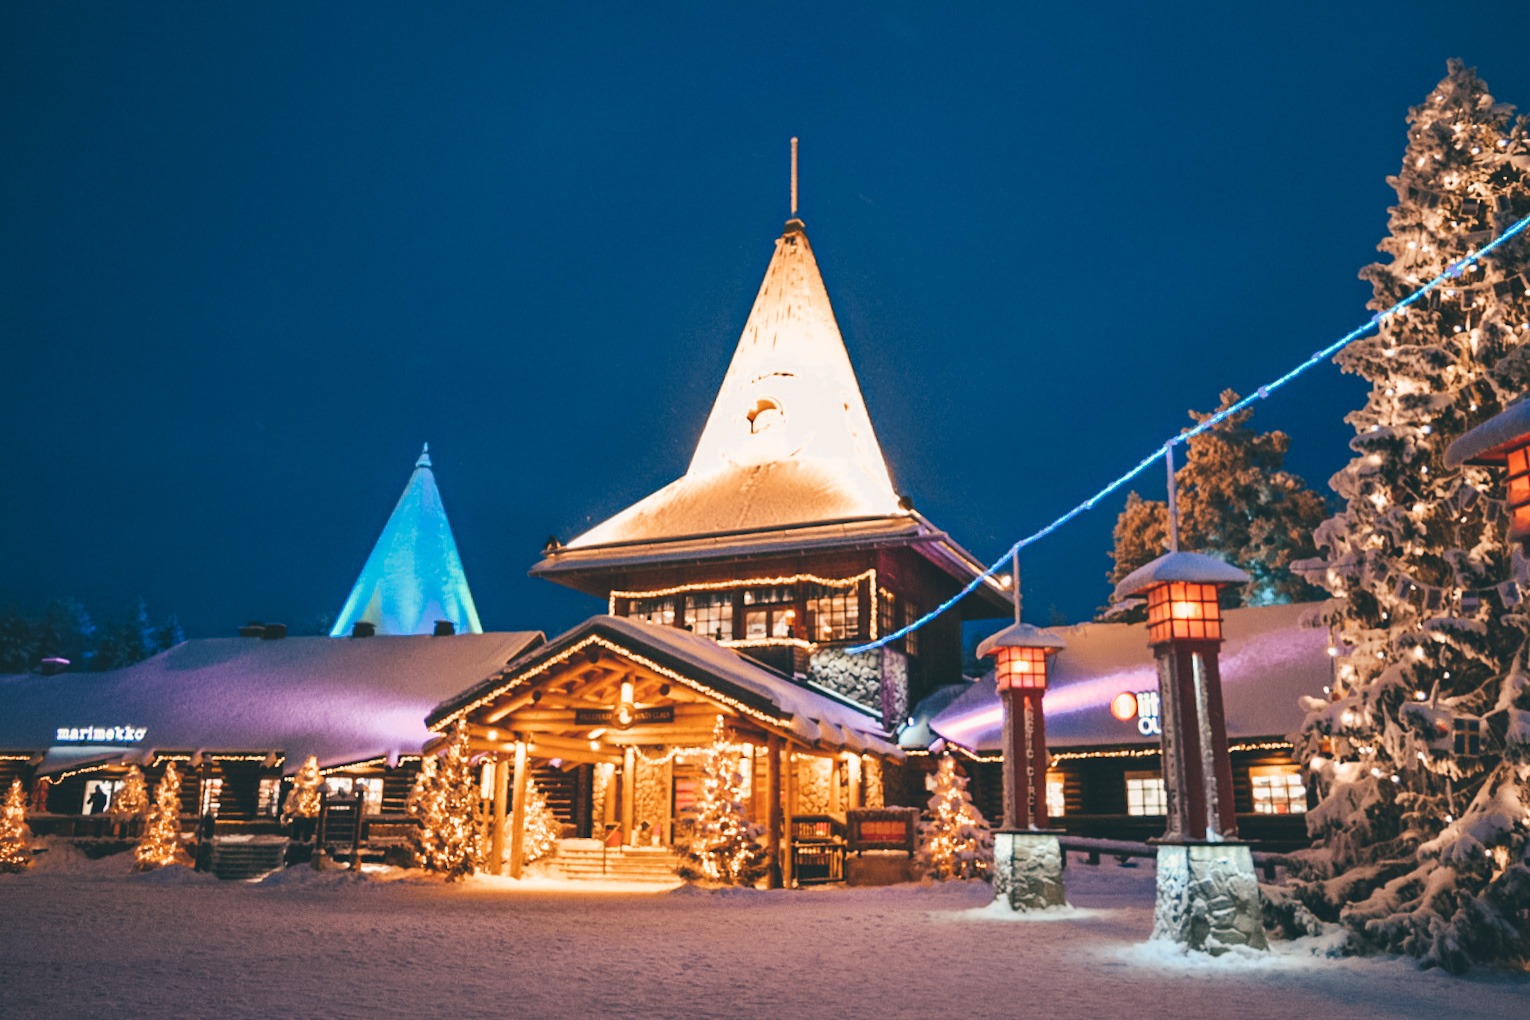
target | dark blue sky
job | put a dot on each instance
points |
(251, 258)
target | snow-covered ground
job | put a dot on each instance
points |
(82, 939)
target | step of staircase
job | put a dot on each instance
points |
(241, 861)
(582, 859)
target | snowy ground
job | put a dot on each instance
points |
(86, 939)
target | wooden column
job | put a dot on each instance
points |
(497, 825)
(629, 793)
(835, 805)
(518, 812)
(854, 765)
(793, 781)
(773, 751)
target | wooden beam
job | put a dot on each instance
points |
(518, 812)
(497, 832)
(788, 865)
(629, 793)
(854, 764)
(774, 750)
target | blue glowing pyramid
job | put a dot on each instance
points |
(414, 576)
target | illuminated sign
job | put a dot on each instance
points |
(100, 734)
(623, 715)
(1143, 706)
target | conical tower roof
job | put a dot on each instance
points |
(788, 441)
(414, 575)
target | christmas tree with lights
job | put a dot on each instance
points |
(724, 846)
(15, 837)
(132, 798)
(954, 838)
(445, 798)
(542, 827)
(160, 843)
(304, 798)
(1421, 752)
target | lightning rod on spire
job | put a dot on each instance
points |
(794, 177)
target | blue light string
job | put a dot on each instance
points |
(1452, 271)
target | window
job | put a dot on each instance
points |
(269, 800)
(911, 613)
(1145, 794)
(834, 614)
(1278, 790)
(710, 614)
(211, 795)
(660, 611)
(99, 794)
(887, 612)
(1057, 801)
(769, 612)
(370, 790)
(1468, 735)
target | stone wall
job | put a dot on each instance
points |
(876, 679)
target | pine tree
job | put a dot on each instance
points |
(724, 846)
(954, 839)
(542, 828)
(303, 800)
(446, 800)
(1236, 501)
(1421, 754)
(15, 837)
(132, 799)
(160, 843)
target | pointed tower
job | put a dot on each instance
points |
(785, 537)
(414, 576)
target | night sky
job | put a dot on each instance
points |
(253, 255)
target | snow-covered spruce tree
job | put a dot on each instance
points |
(724, 847)
(303, 800)
(1421, 754)
(160, 843)
(542, 828)
(132, 798)
(1236, 501)
(954, 838)
(445, 798)
(15, 837)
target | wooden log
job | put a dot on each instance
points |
(853, 763)
(518, 812)
(497, 830)
(775, 747)
(629, 793)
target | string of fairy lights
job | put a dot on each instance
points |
(1452, 272)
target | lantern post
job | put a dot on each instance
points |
(1208, 896)
(1502, 440)
(1027, 858)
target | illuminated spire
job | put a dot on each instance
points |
(788, 441)
(414, 576)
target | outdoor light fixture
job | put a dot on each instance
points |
(1503, 439)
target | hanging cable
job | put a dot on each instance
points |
(1452, 271)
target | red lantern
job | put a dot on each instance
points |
(1184, 609)
(1020, 666)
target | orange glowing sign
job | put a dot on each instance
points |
(1124, 706)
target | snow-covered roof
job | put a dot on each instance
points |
(414, 575)
(342, 699)
(812, 717)
(1268, 661)
(1180, 566)
(789, 440)
(1484, 444)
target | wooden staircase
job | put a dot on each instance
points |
(581, 859)
(243, 859)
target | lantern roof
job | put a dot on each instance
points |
(1195, 568)
(414, 575)
(1489, 442)
(1020, 635)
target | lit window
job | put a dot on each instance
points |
(99, 794)
(1278, 790)
(770, 612)
(1145, 794)
(710, 614)
(369, 790)
(212, 795)
(1057, 801)
(1519, 493)
(834, 614)
(1468, 735)
(660, 611)
(911, 639)
(887, 612)
(269, 800)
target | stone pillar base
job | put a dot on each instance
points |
(1208, 897)
(1028, 869)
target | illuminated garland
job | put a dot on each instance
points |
(1452, 271)
(747, 582)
